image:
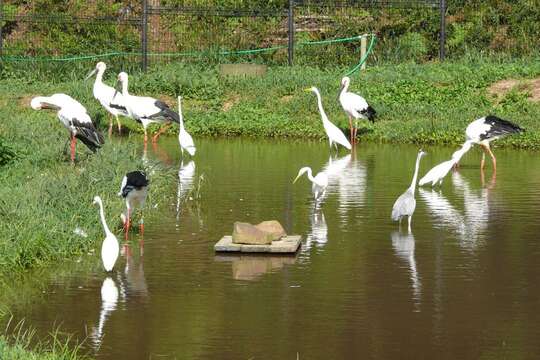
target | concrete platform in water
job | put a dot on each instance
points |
(288, 244)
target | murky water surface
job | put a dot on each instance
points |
(462, 285)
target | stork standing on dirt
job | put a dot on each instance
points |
(74, 117)
(145, 110)
(105, 94)
(355, 106)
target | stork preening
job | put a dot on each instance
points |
(145, 110)
(335, 135)
(486, 129)
(319, 182)
(105, 94)
(74, 117)
(185, 140)
(355, 106)
(438, 172)
(406, 203)
(134, 190)
(110, 247)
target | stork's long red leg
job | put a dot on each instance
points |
(73, 140)
(351, 129)
(492, 157)
(119, 125)
(110, 125)
(161, 131)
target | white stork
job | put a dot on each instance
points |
(74, 117)
(355, 106)
(144, 109)
(105, 94)
(185, 140)
(486, 129)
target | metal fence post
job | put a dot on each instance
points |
(442, 31)
(290, 49)
(1, 26)
(144, 36)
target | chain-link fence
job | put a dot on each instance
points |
(147, 32)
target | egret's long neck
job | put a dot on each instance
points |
(103, 222)
(125, 87)
(310, 175)
(464, 148)
(415, 176)
(321, 110)
(180, 116)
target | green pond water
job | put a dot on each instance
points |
(462, 285)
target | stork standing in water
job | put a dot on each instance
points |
(355, 106)
(134, 189)
(406, 203)
(110, 247)
(145, 110)
(335, 135)
(105, 94)
(486, 129)
(74, 117)
(438, 172)
(185, 140)
(319, 182)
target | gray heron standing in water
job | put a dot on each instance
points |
(406, 203)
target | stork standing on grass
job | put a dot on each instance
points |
(134, 189)
(486, 129)
(145, 110)
(355, 106)
(335, 135)
(74, 117)
(105, 94)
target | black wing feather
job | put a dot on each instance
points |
(370, 113)
(135, 180)
(87, 133)
(499, 127)
(165, 112)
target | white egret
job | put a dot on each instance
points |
(335, 135)
(105, 94)
(438, 172)
(486, 129)
(134, 189)
(145, 110)
(355, 106)
(74, 117)
(110, 247)
(185, 140)
(319, 182)
(406, 203)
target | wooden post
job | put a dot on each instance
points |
(363, 50)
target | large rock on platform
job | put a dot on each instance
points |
(244, 233)
(272, 227)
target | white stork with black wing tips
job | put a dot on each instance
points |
(105, 94)
(134, 189)
(145, 109)
(355, 106)
(486, 129)
(74, 117)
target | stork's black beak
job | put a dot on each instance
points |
(117, 88)
(90, 74)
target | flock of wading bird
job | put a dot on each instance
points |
(146, 110)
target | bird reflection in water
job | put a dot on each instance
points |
(186, 174)
(318, 234)
(109, 300)
(404, 244)
(252, 267)
(133, 276)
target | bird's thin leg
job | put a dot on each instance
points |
(145, 137)
(483, 161)
(409, 220)
(110, 125)
(128, 220)
(141, 226)
(161, 131)
(351, 129)
(493, 159)
(119, 125)
(73, 140)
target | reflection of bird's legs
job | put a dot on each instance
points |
(110, 125)
(161, 131)
(409, 220)
(145, 137)
(141, 225)
(119, 125)
(399, 223)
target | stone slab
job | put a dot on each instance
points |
(287, 244)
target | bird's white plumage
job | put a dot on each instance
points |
(110, 247)
(184, 138)
(438, 172)
(335, 135)
(68, 109)
(352, 103)
(124, 182)
(476, 129)
(105, 93)
(319, 182)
